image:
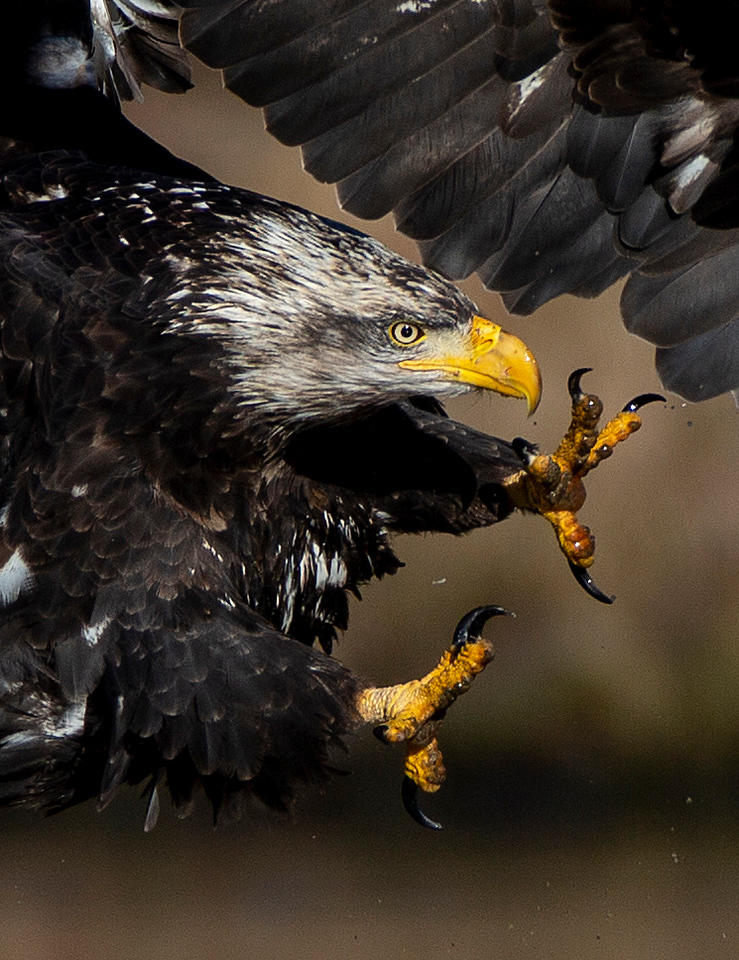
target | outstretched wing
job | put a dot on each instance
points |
(550, 148)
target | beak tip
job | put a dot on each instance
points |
(531, 390)
(532, 401)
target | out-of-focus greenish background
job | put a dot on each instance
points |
(591, 805)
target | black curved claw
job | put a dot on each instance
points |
(642, 400)
(409, 795)
(573, 382)
(472, 623)
(588, 584)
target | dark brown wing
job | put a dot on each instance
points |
(547, 160)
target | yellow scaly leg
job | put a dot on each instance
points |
(552, 484)
(412, 712)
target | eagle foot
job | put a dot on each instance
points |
(412, 712)
(552, 484)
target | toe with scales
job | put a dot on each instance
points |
(411, 713)
(552, 484)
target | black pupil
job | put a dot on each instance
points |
(407, 332)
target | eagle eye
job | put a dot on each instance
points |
(405, 333)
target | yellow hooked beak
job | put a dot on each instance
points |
(492, 359)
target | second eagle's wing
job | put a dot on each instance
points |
(550, 148)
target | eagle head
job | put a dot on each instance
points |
(318, 321)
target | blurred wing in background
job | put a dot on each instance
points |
(551, 148)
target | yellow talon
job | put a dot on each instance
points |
(552, 485)
(424, 764)
(412, 712)
(615, 431)
(401, 710)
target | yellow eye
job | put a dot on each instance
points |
(405, 333)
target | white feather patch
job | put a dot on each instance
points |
(15, 578)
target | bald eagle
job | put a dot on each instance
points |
(218, 408)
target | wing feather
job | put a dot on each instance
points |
(433, 109)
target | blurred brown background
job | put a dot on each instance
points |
(591, 806)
